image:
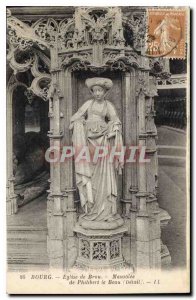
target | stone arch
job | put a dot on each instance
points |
(35, 88)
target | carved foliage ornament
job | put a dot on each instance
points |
(77, 38)
(22, 57)
(41, 81)
(19, 66)
(69, 59)
(99, 251)
(21, 35)
(85, 249)
(95, 25)
(88, 26)
(136, 21)
(159, 68)
(144, 88)
(114, 249)
(101, 27)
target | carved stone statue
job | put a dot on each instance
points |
(96, 124)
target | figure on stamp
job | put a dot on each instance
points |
(96, 126)
(163, 30)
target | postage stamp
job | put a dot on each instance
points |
(166, 33)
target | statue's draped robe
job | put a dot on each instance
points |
(97, 182)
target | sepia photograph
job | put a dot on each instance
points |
(97, 129)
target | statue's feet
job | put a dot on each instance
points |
(112, 223)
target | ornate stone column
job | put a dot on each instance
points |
(61, 208)
(147, 221)
(67, 171)
(130, 169)
(54, 206)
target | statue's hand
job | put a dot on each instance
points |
(81, 120)
(111, 134)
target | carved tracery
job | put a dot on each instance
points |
(94, 36)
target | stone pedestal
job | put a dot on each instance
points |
(99, 249)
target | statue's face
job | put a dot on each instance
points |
(98, 92)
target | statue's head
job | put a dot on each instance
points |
(99, 86)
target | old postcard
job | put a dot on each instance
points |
(98, 128)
